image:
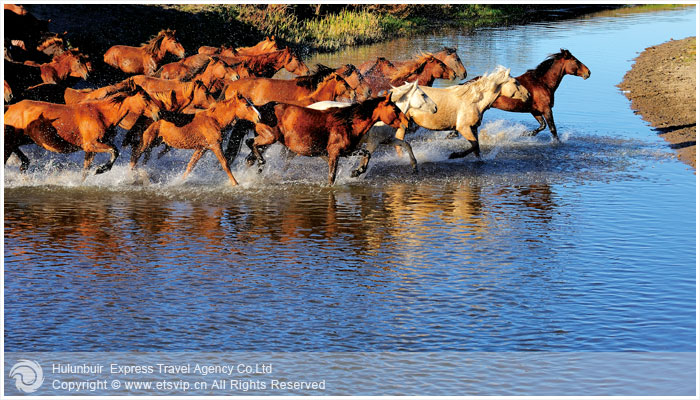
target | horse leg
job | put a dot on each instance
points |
(363, 166)
(89, 156)
(539, 119)
(400, 133)
(549, 117)
(238, 132)
(147, 138)
(265, 137)
(219, 153)
(193, 161)
(407, 147)
(22, 158)
(473, 140)
(332, 168)
(105, 148)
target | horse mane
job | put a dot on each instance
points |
(545, 65)
(449, 50)
(133, 89)
(374, 67)
(474, 88)
(198, 68)
(414, 67)
(155, 42)
(314, 79)
(347, 114)
(50, 41)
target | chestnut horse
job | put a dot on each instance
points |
(267, 45)
(183, 69)
(73, 96)
(217, 74)
(447, 55)
(424, 70)
(144, 59)
(266, 65)
(7, 92)
(195, 92)
(203, 133)
(69, 63)
(332, 133)
(87, 125)
(356, 81)
(301, 91)
(542, 82)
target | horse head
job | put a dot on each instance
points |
(244, 108)
(573, 66)
(502, 84)
(293, 63)
(411, 96)
(201, 95)
(356, 81)
(449, 56)
(165, 42)
(138, 101)
(438, 69)
(342, 91)
(390, 114)
(79, 64)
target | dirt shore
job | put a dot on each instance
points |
(661, 86)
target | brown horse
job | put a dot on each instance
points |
(87, 125)
(73, 96)
(356, 81)
(333, 133)
(7, 92)
(266, 65)
(217, 74)
(183, 69)
(541, 82)
(267, 45)
(424, 70)
(203, 133)
(292, 91)
(218, 51)
(70, 63)
(447, 55)
(144, 59)
(195, 93)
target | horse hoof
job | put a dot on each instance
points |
(452, 135)
(355, 173)
(103, 169)
(23, 167)
(415, 170)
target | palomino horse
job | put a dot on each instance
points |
(266, 65)
(541, 82)
(203, 133)
(144, 59)
(424, 70)
(447, 55)
(461, 107)
(333, 133)
(69, 63)
(408, 98)
(85, 126)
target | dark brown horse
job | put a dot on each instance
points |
(266, 65)
(331, 133)
(541, 82)
(87, 126)
(144, 59)
(203, 133)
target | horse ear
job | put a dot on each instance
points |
(388, 96)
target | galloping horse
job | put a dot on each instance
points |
(300, 91)
(266, 65)
(541, 82)
(195, 92)
(408, 97)
(424, 70)
(461, 107)
(85, 126)
(217, 74)
(333, 133)
(144, 59)
(203, 133)
(69, 63)
(447, 55)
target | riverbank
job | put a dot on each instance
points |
(661, 87)
(308, 28)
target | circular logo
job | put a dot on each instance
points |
(28, 375)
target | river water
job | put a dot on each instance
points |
(583, 246)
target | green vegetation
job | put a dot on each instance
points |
(328, 27)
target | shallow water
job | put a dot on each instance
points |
(587, 245)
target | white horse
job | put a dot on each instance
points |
(461, 107)
(408, 97)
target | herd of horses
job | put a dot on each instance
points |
(209, 101)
